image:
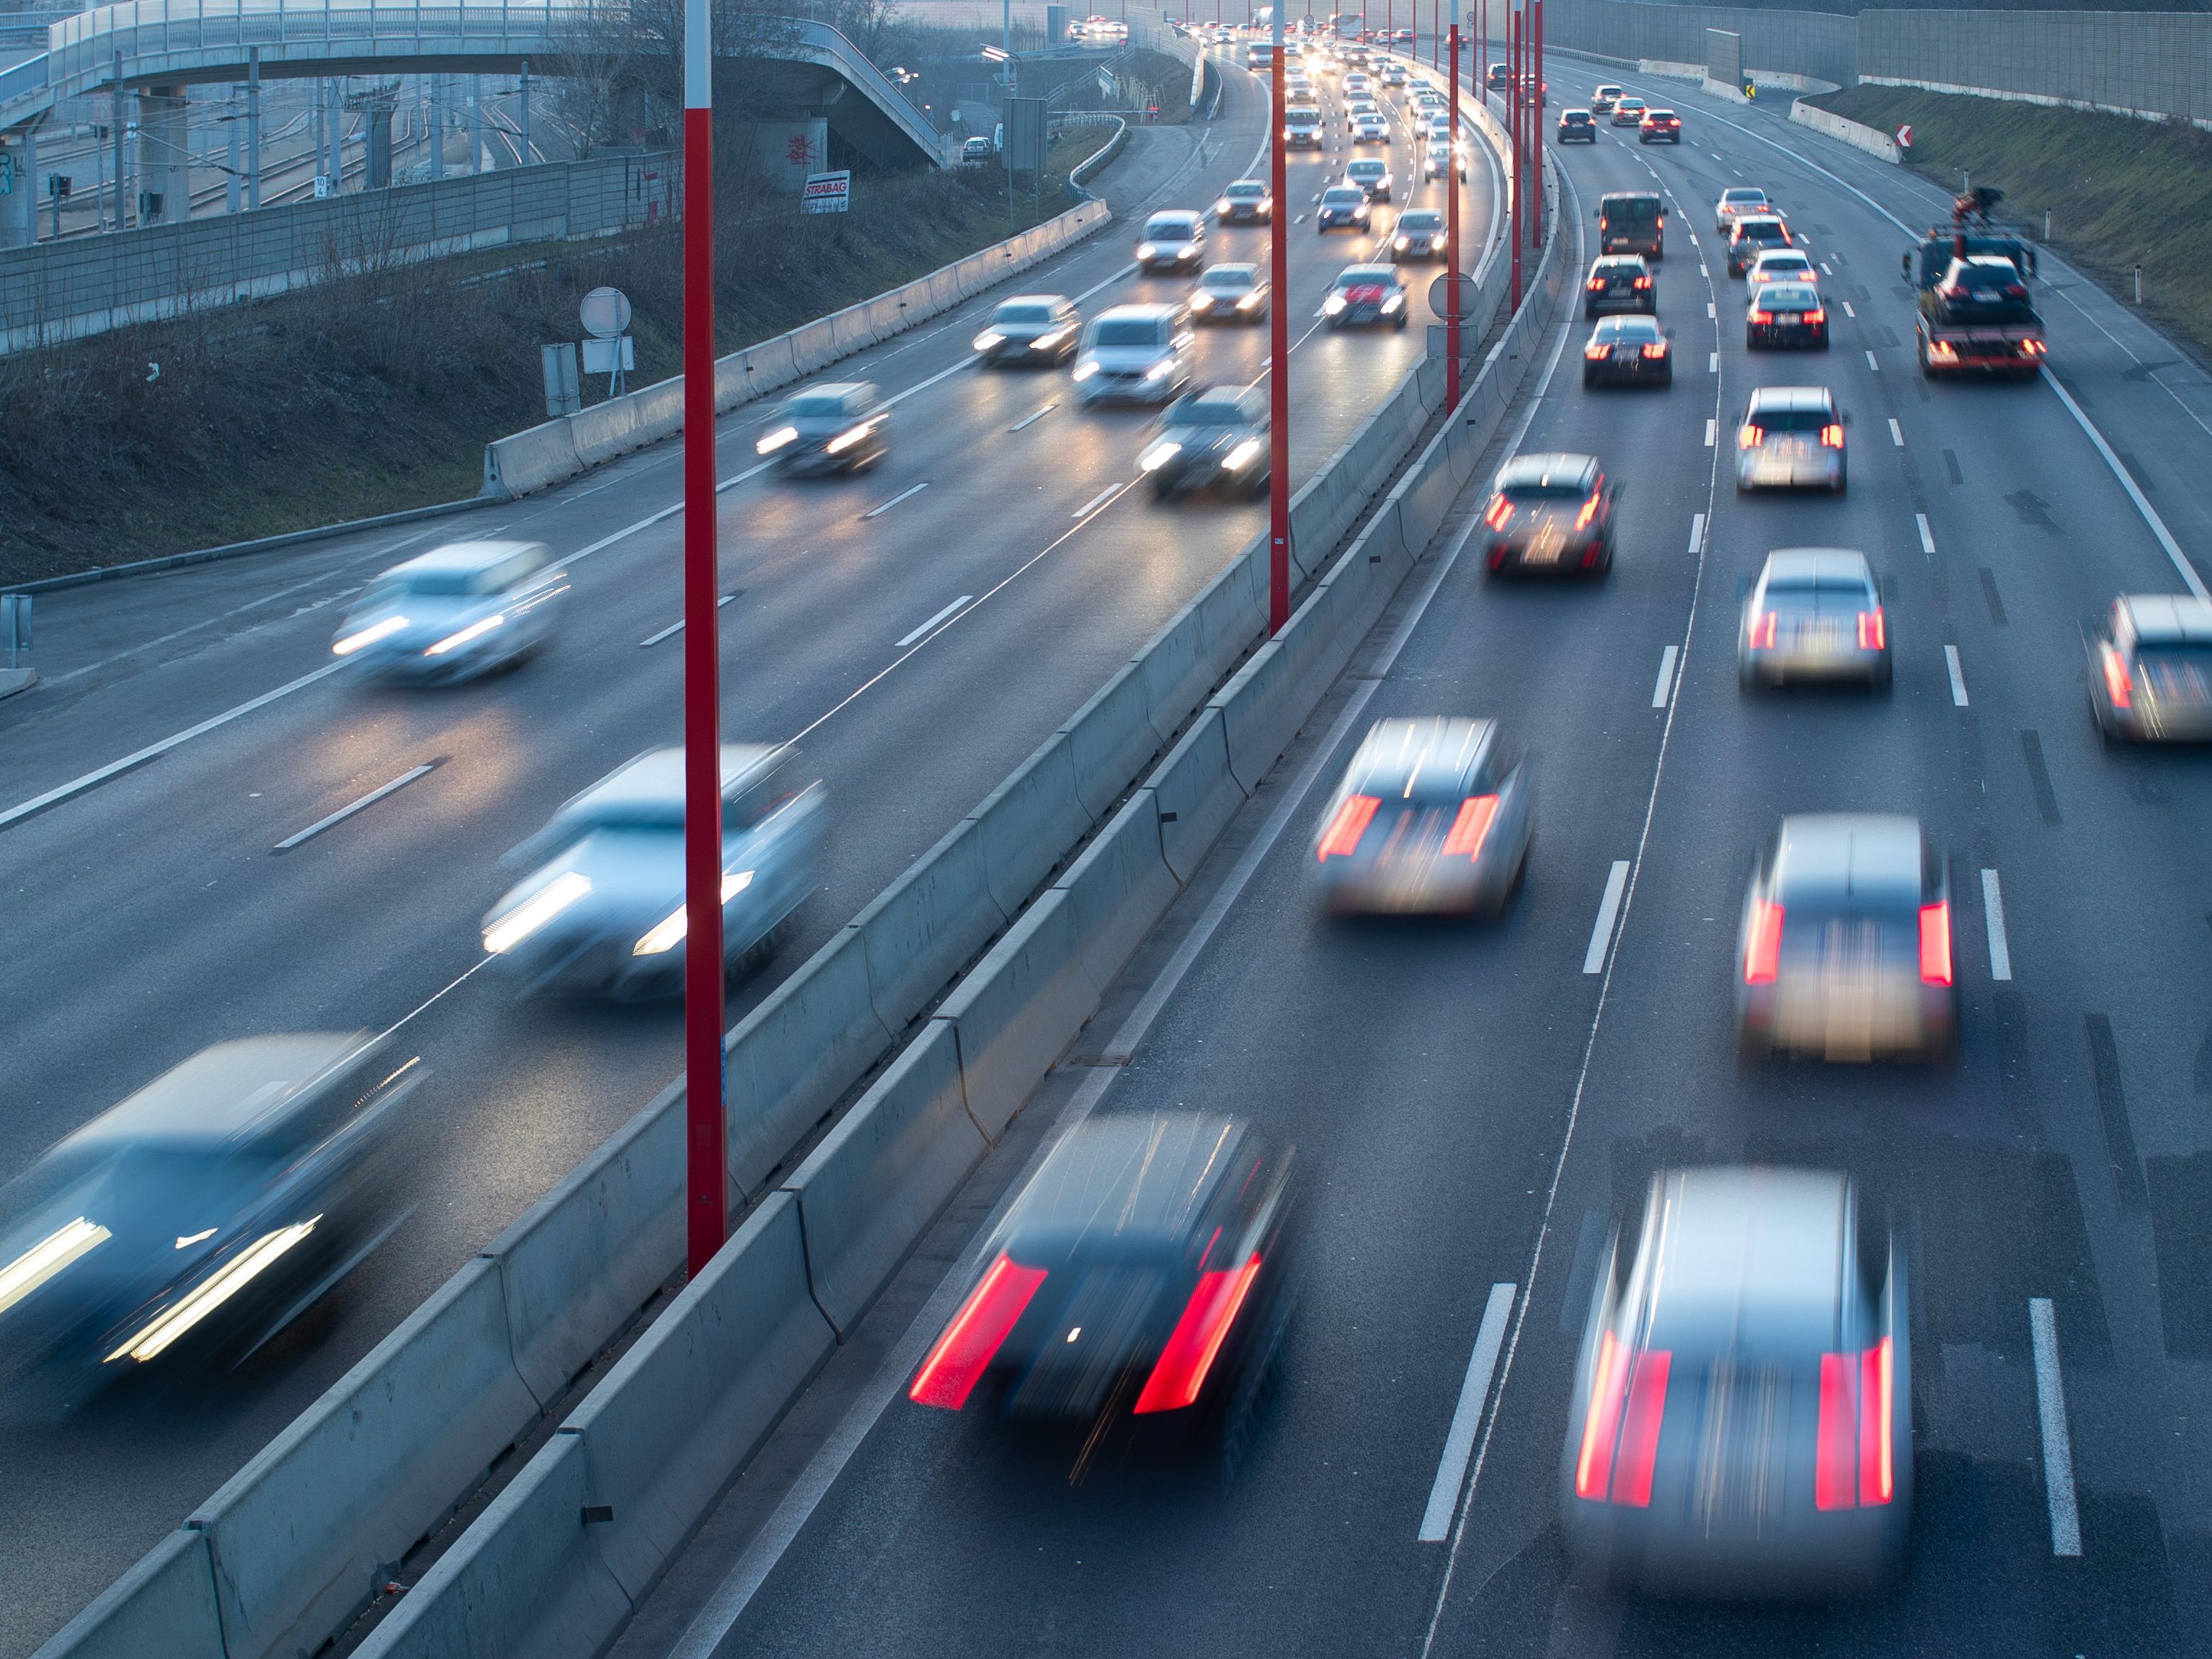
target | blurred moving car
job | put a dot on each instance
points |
(1781, 264)
(1578, 126)
(1628, 111)
(193, 1222)
(603, 914)
(2150, 669)
(1752, 235)
(1785, 314)
(1734, 204)
(1627, 351)
(1440, 158)
(1552, 515)
(1372, 175)
(1342, 207)
(1814, 613)
(1174, 240)
(1141, 1282)
(1844, 949)
(1602, 100)
(1499, 77)
(1366, 294)
(842, 426)
(1631, 221)
(455, 613)
(1029, 329)
(1420, 233)
(1619, 281)
(1741, 1421)
(1135, 354)
(1432, 816)
(1229, 294)
(1216, 438)
(1245, 202)
(1792, 438)
(1370, 128)
(1659, 126)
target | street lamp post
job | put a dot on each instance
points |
(1451, 230)
(1278, 353)
(706, 1182)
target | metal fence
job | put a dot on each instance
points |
(1821, 44)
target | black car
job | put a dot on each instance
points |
(1755, 235)
(1142, 1281)
(1619, 283)
(1343, 207)
(1499, 77)
(1786, 315)
(1244, 202)
(1980, 288)
(1419, 234)
(1627, 351)
(1631, 221)
(1578, 126)
(1217, 438)
(1550, 514)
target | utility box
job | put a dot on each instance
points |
(563, 394)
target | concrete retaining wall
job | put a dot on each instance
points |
(1856, 134)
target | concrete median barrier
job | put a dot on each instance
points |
(165, 1605)
(920, 929)
(1109, 740)
(1029, 822)
(881, 1177)
(1018, 1008)
(1118, 890)
(530, 460)
(1186, 660)
(1195, 794)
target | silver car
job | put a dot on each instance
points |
(1214, 439)
(1029, 329)
(1174, 240)
(1844, 949)
(1433, 815)
(1814, 613)
(1742, 1422)
(842, 426)
(1135, 354)
(603, 912)
(1792, 438)
(2150, 669)
(455, 613)
(1229, 293)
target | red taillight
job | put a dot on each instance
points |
(1936, 943)
(1831, 436)
(974, 1338)
(2015, 291)
(1873, 637)
(1472, 827)
(1500, 511)
(1342, 837)
(2118, 684)
(1762, 950)
(1644, 281)
(1597, 284)
(1762, 316)
(1620, 1433)
(1854, 1462)
(1750, 437)
(1763, 628)
(1589, 512)
(1816, 316)
(1597, 351)
(1197, 1338)
(1656, 351)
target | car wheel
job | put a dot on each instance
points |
(1161, 488)
(1589, 313)
(1753, 1048)
(1402, 322)
(1751, 339)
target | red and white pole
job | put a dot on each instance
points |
(1451, 231)
(1278, 355)
(706, 1204)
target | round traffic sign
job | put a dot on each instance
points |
(604, 312)
(1440, 296)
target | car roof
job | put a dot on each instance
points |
(1816, 564)
(463, 557)
(1782, 293)
(1369, 274)
(1746, 223)
(1543, 466)
(1834, 856)
(1149, 311)
(1636, 259)
(2167, 619)
(1244, 399)
(1792, 397)
(1398, 756)
(1241, 272)
(1634, 325)
(1743, 193)
(1744, 1258)
(650, 787)
(1658, 112)
(1339, 190)
(1121, 1174)
(1571, 114)
(1373, 163)
(1783, 255)
(1628, 196)
(1034, 300)
(845, 390)
(231, 1092)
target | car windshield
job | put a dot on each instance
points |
(1246, 193)
(1209, 409)
(447, 584)
(1227, 277)
(1167, 226)
(1341, 196)
(1025, 311)
(1556, 488)
(1126, 331)
(1421, 219)
(1364, 275)
(815, 406)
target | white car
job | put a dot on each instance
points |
(455, 613)
(1736, 202)
(1782, 264)
(1174, 240)
(1370, 129)
(1358, 84)
(1135, 354)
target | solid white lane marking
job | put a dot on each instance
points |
(1031, 418)
(1958, 676)
(1712, 431)
(352, 807)
(1665, 684)
(1873, 365)
(1467, 1417)
(1713, 363)
(932, 621)
(1098, 501)
(2057, 1445)
(153, 751)
(1616, 882)
(1993, 919)
(1697, 531)
(1927, 536)
(902, 495)
(677, 627)
(2127, 483)
(1896, 432)
(1848, 312)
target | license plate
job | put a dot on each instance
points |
(1540, 555)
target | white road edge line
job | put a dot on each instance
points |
(2057, 1445)
(1467, 1417)
(1665, 687)
(1958, 676)
(1608, 908)
(352, 807)
(1896, 432)
(902, 495)
(1927, 536)
(902, 644)
(1993, 919)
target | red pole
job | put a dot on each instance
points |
(1536, 146)
(705, 1178)
(1279, 360)
(1451, 234)
(1513, 121)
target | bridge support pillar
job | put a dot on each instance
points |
(376, 143)
(784, 152)
(165, 156)
(19, 208)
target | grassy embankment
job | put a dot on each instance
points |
(2121, 192)
(378, 392)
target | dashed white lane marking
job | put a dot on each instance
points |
(2134, 493)
(1032, 417)
(1958, 676)
(1607, 908)
(1467, 1417)
(1665, 686)
(1927, 536)
(902, 495)
(1848, 312)
(1697, 532)
(932, 621)
(1713, 363)
(677, 627)
(1873, 365)
(1993, 919)
(1827, 269)
(1098, 501)
(354, 806)
(1896, 432)
(1710, 311)
(2057, 1445)
(1711, 432)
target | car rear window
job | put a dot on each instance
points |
(1744, 197)
(1805, 581)
(1627, 328)
(1789, 420)
(1025, 312)
(1630, 208)
(817, 403)
(1554, 489)
(1783, 297)
(1126, 331)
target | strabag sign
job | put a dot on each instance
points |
(827, 192)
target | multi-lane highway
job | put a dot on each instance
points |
(919, 629)
(1474, 1106)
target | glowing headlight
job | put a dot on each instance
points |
(1402, 243)
(989, 340)
(1222, 206)
(1200, 300)
(534, 912)
(668, 934)
(369, 635)
(1159, 455)
(1391, 302)
(1333, 304)
(770, 442)
(1146, 250)
(475, 630)
(1435, 245)
(47, 1258)
(845, 439)
(173, 1323)
(1242, 456)
(1086, 369)
(1160, 370)
(1249, 301)
(1046, 342)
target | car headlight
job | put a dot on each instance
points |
(770, 442)
(475, 630)
(989, 340)
(534, 912)
(1333, 304)
(1391, 302)
(1158, 455)
(1046, 342)
(346, 644)
(668, 933)
(1402, 243)
(1086, 369)
(1249, 301)
(851, 435)
(1223, 205)
(1200, 301)
(1435, 245)
(1242, 456)
(1160, 370)
(1146, 250)
(48, 1257)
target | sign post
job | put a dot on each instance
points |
(1451, 231)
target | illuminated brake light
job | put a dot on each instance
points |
(1601, 1424)
(1762, 950)
(1655, 350)
(1936, 943)
(1589, 512)
(1811, 317)
(1597, 284)
(1873, 635)
(1341, 839)
(1877, 1462)
(1831, 436)
(1620, 1434)
(1763, 627)
(1597, 351)
(1762, 317)
(1644, 281)
(976, 1333)
(1472, 827)
(1639, 1432)
(2117, 684)
(1750, 437)
(1197, 1341)
(1500, 511)
(1855, 1460)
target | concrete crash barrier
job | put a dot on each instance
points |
(1195, 794)
(1856, 134)
(164, 1605)
(1029, 822)
(920, 930)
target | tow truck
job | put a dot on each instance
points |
(1975, 315)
